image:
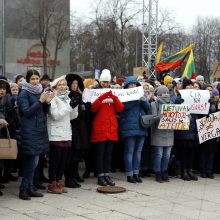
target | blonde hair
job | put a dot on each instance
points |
(12, 85)
(89, 83)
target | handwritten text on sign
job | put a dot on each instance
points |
(175, 117)
(197, 100)
(124, 95)
(208, 127)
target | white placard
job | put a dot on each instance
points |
(124, 95)
(175, 117)
(208, 127)
(197, 100)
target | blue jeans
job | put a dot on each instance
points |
(132, 156)
(28, 174)
(161, 156)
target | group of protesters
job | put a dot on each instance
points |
(56, 128)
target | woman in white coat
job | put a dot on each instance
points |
(60, 134)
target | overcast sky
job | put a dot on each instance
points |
(185, 12)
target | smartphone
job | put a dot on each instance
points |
(48, 89)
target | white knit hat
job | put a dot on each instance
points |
(105, 76)
(54, 83)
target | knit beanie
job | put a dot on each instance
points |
(54, 83)
(167, 80)
(215, 92)
(186, 82)
(105, 76)
(199, 77)
(161, 89)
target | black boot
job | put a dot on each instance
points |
(33, 193)
(191, 175)
(109, 181)
(131, 179)
(185, 176)
(101, 181)
(38, 185)
(86, 174)
(23, 194)
(79, 179)
(137, 178)
(2, 186)
(158, 177)
(72, 183)
(1, 193)
(165, 176)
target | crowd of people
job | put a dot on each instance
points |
(55, 128)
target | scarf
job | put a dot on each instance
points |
(63, 96)
(163, 99)
(36, 90)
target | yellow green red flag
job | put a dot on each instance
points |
(190, 67)
(175, 60)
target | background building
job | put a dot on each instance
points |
(23, 28)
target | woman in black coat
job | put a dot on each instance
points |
(34, 136)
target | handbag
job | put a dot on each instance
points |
(8, 147)
(148, 121)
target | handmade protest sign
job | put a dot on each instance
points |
(124, 95)
(208, 127)
(198, 100)
(175, 117)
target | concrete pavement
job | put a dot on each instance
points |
(176, 200)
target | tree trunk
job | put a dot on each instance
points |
(54, 64)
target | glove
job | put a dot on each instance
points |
(105, 96)
(74, 103)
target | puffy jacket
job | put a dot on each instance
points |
(130, 118)
(58, 122)
(34, 136)
(105, 125)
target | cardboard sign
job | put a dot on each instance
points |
(124, 95)
(208, 127)
(197, 100)
(175, 117)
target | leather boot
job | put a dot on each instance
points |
(101, 181)
(158, 177)
(72, 183)
(137, 178)
(53, 188)
(109, 181)
(165, 176)
(191, 175)
(33, 193)
(23, 194)
(184, 176)
(38, 185)
(131, 179)
(60, 185)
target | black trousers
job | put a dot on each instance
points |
(104, 157)
(187, 157)
(58, 156)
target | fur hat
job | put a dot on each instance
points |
(167, 80)
(71, 77)
(199, 77)
(161, 89)
(186, 82)
(105, 76)
(54, 83)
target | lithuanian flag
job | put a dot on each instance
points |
(190, 67)
(175, 60)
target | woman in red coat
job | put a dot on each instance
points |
(105, 128)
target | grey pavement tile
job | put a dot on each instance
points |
(16, 217)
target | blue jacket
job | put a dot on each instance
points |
(130, 118)
(34, 135)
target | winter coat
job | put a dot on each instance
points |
(105, 125)
(160, 137)
(58, 121)
(130, 118)
(34, 136)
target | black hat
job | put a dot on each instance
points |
(71, 77)
(186, 82)
(46, 77)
